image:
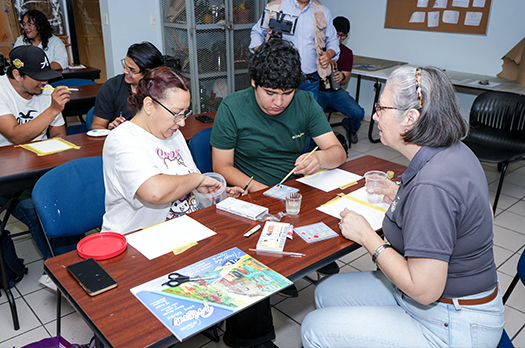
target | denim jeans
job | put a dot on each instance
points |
(311, 86)
(365, 309)
(343, 102)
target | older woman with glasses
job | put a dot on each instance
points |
(38, 32)
(111, 105)
(149, 173)
(437, 284)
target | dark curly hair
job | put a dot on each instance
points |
(154, 84)
(41, 24)
(276, 64)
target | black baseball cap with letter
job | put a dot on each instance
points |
(33, 62)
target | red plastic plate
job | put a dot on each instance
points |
(102, 246)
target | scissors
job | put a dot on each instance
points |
(176, 279)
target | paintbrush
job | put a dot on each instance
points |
(291, 172)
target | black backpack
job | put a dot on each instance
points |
(15, 265)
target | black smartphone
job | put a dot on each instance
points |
(204, 118)
(92, 277)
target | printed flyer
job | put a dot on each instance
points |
(219, 286)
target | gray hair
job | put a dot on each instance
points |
(440, 123)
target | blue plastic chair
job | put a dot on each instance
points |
(69, 201)
(505, 339)
(80, 128)
(200, 149)
(89, 118)
(72, 82)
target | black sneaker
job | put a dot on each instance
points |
(353, 138)
(290, 292)
(331, 268)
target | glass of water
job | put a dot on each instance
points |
(293, 203)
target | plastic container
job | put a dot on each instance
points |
(205, 200)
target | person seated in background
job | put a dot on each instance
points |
(437, 285)
(29, 113)
(38, 32)
(111, 104)
(340, 99)
(149, 173)
(260, 132)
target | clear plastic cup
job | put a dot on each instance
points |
(293, 203)
(375, 179)
(205, 200)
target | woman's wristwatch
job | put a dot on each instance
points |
(378, 251)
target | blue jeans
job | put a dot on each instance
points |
(311, 86)
(365, 309)
(343, 102)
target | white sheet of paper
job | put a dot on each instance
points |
(373, 216)
(161, 239)
(433, 19)
(490, 85)
(451, 17)
(417, 17)
(422, 3)
(440, 4)
(473, 18)
(460, 3)
(50, 145)
(330, 179)
(478, 3)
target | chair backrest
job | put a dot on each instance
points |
(69, 199)
(499, 110)
(201, 150)
(72, 82)
(89, 118)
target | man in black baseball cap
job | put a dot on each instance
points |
(29, 113)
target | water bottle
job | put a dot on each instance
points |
(335, 85)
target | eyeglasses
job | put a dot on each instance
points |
(127, 68)
(378, 107)
(176, 117)
(29, 24)
(342, 35)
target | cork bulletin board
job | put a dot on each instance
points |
(456, 16)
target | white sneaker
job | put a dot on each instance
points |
(47, 282)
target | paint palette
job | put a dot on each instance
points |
(280, 191)
(315, 232)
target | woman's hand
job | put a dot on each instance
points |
(354, 226)
(235, 191)
(389, 191)
(208, 185)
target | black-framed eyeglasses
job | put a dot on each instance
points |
(342, 35)
(378, 107)
(127, 68)
(176, 117)
(28, 24)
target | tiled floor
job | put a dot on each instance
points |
(36, 305)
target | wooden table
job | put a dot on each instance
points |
(81, 101)
(193, 126)
(120, 320)
(20, 168)
(88, 73)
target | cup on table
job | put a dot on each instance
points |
(293, 203)
(375, 179)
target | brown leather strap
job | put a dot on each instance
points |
(476, 301)
(309, 77)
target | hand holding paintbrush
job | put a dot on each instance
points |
(291, 172)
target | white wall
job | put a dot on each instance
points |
(129, 22)
(479, 54)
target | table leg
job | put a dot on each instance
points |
(377, 88)
(358, 89)
(8, 207)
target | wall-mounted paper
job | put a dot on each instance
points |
(478, 3)
(450, 17)
(417, 17)
(440, 4)
(460, 3)
(473, 18)
(422, 3)
(433, 19)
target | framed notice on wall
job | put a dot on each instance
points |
(457, 16)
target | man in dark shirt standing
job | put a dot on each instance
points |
(340, 99)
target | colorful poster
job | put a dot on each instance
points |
(220, 286)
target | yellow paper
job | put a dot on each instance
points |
(183, 248)
(49, 146)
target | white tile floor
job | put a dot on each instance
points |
(36, 305)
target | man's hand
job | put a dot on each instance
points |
(60, 96)
(324, 59)
(116, 122)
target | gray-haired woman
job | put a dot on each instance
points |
(437, 283)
